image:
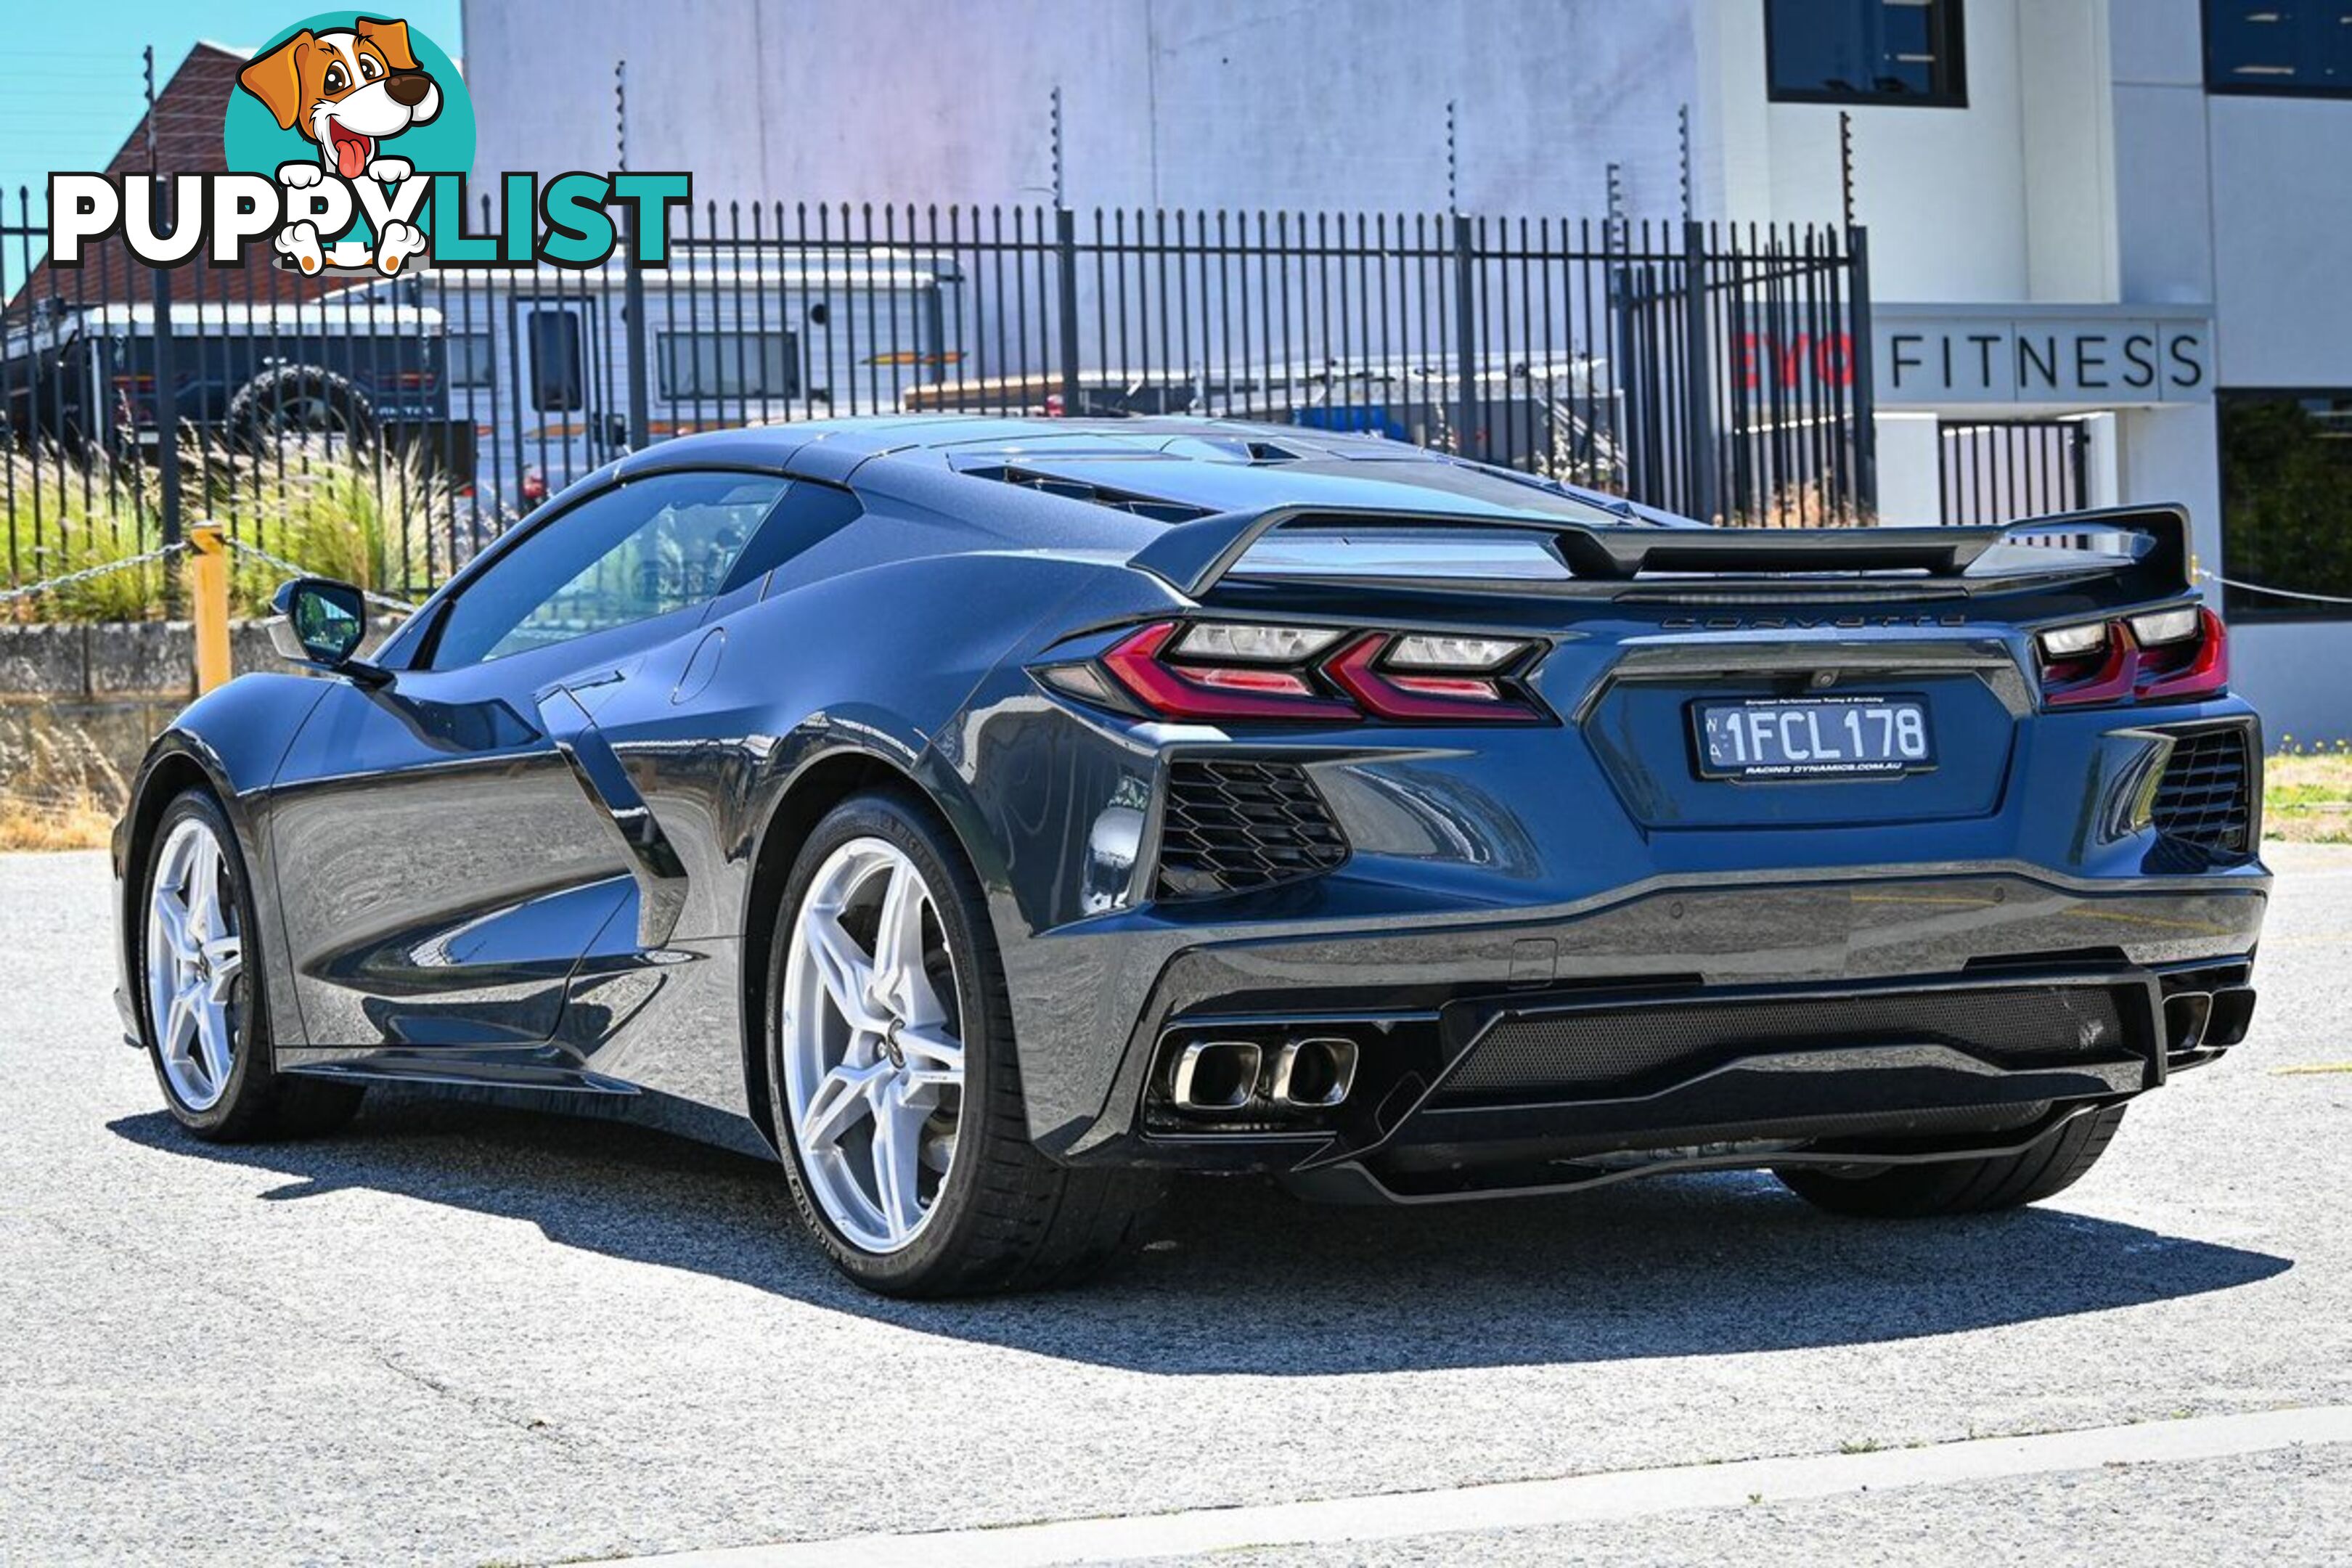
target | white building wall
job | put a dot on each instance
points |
(2090, 167)
(1209, 103)
(2009, 199)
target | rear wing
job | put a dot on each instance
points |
(2145, 548)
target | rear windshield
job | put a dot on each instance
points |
(1467, 554)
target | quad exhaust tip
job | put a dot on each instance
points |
(1218, 1075)
(1313, 1072)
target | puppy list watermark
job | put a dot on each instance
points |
(366, 135)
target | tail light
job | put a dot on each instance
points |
(2164, 655)
(1219, 670)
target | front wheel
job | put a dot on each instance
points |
(205, 1007)
(1942, 1187)
(892, 1079)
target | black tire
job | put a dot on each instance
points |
(1947, 1187)
(1004, 1218)
(260, 1103)
(299, 399)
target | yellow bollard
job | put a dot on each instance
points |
(208, 596)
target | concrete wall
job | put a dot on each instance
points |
(126, 661)
(1255, 103)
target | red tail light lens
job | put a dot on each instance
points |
(2170, 656)
(1216, 671)
(1419, 694)
(1214, 692)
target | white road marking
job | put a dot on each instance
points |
(1521, 1504)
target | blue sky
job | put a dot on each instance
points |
(70, 87)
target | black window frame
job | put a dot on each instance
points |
(1954, 56)
(2240, 605)
(2218, 85)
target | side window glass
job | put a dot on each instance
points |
(809, 513)
(643, 549)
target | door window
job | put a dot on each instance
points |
(555, 375)
(642, 549)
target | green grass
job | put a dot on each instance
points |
(350, 513)
(2308, 793)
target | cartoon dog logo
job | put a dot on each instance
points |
(350, 90)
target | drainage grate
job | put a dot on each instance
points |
(1233, 825)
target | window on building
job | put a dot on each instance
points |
(728, 364)
(555, 378)
(1865, 51)
(470, 359)
(2286, 500)
(2278, 47)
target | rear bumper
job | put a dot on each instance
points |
(1844, 1020)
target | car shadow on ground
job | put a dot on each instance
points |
(1241, 1278)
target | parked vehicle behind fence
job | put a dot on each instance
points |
(539, 366)
(347, 366)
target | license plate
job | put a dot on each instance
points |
(1813, 737)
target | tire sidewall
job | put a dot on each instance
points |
(249, 1072)
(985, 1032)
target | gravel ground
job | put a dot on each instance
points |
(462, 1335)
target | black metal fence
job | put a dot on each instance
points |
(395, 424)
(1998, 470)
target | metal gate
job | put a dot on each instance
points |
(1997, 471)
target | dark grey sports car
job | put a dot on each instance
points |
(988, 818)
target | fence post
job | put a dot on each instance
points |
(1465, 338)
(1065, 245)
(1865, 389)
(208, 595)
(1698, 384)
(634, 310)
(167, 407)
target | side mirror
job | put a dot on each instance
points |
(322, 622)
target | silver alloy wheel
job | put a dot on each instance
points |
(196, 957)
(873, 1057)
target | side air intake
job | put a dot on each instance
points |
(1231, 826)
(2205, 798)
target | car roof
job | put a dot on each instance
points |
(1163, 468)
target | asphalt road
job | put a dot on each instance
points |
(461, 1335)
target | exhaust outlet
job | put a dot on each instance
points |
(1217, 1074)
(1315, 1073)
(2186, 1014)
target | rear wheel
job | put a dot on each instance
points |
(204, 1004)
(892, 1079)
(1960, 1186)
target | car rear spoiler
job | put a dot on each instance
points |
(2145, 546)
